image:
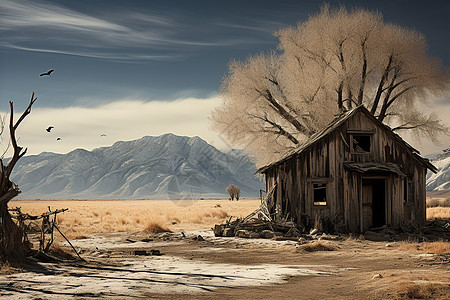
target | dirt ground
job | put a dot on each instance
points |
(211, 267)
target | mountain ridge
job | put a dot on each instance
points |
(439, 182)
(152, 167)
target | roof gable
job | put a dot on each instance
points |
(336, 123)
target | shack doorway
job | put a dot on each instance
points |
(373, 210)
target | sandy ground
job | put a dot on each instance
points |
(231, 268)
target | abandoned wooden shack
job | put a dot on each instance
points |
(356, 174)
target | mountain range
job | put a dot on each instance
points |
(439, 183)
(153, 167)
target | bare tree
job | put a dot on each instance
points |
(12, 242)
(230, 191)
(233, 191)
(237, 193)
(331, 63)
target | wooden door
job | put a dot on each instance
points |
(367, 197)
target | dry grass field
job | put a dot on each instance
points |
(154, 216)
(98, 216)
(438, 208)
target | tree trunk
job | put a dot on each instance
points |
(12, 244)
(12, 238)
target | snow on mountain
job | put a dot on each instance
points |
(163, 167)
(441, 180)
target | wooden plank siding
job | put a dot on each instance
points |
(324, 160)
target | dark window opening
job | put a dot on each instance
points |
(361, 143)
(408, 195)
(320, 194)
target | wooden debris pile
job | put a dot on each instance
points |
(258, 224)
(46, 230)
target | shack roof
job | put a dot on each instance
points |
(336, 123)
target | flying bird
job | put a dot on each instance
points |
(103, 134)
(47, 73)
(58, 139)
(49, 128)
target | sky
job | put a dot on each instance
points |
(125, 69)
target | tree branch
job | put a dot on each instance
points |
(376, 101)
(363, 73)
(285, 114)
(385, 106)
(280, 129)
(12, 131)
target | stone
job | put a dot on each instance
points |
(267, 234)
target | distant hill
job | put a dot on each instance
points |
(161, 167)
(439, 183)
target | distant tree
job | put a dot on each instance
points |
(230, 191)
(237, 193)
(233, 191)
(12, 243)
(327, 65)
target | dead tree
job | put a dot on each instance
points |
(12, 238)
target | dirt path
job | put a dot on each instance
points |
(231, 268)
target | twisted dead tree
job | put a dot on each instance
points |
(12, 238)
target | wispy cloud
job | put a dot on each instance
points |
(93, 54)
(46, 27)
(266, 28)
(31, 13)
(127, 119)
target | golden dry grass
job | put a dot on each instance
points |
(438, 208)
(438, 213)
(99, 216)
(153, 227)
(7, 269)
(411, 290)
(440, 247)
(317, 246)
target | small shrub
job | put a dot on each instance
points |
(354, 238)
(317, 246)
(153, 227)
(221, 214)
